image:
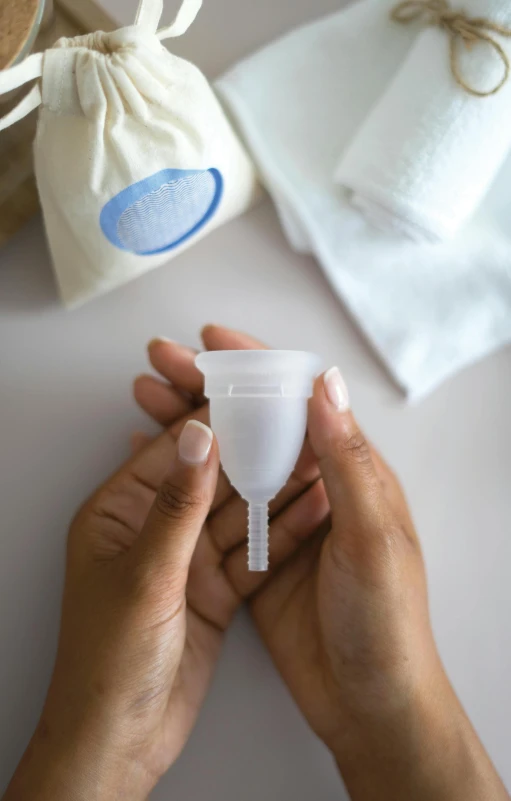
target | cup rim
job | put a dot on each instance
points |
(255, 362)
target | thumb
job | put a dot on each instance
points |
(182, 505)
(346, 465)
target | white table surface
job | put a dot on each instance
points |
(66, 414)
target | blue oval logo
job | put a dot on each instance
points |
(162, 211)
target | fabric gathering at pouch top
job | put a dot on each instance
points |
(135, 158)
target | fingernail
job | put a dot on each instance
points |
(206, 328)
(159, 340)
(336, 389)
(195, 443)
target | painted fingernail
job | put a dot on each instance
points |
(336, 389)
(195, 443)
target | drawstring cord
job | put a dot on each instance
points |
(15, 77)
(148, 17)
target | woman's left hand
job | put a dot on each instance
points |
(143, 621)
(133, 662)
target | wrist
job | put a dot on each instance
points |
(82, 765)
(426, 750)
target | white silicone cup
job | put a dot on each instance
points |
(258, 401)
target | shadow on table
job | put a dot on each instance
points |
(26, 277)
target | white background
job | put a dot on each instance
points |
(66, 414)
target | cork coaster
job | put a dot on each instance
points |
(17, 20)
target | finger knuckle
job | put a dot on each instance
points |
(176, 502)
(357, 448)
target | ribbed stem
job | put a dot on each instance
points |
(258, 524)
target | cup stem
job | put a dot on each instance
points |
(258, 524)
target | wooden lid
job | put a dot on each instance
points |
(17, 19)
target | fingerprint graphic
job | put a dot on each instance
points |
(160, 212)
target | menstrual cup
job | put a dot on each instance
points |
(258, 407)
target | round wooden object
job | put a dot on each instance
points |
(17, 20)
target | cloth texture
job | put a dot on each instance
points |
(428, 151)
(300, 103)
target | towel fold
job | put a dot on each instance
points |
(428, 309)
(429, 150)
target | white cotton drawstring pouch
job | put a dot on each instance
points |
(134, 156)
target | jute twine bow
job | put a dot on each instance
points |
(461, 29)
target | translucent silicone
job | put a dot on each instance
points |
(258, 412)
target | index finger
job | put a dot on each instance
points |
(176, 362)
(216, 337)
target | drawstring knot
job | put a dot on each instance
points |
(461, 29)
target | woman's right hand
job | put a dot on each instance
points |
(347, 623)
(346, 618)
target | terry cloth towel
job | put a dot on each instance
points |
(428, 309)
(428, 152)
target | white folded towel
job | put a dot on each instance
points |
(429, 150)
(428, 309)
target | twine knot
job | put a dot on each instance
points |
(461, 29)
